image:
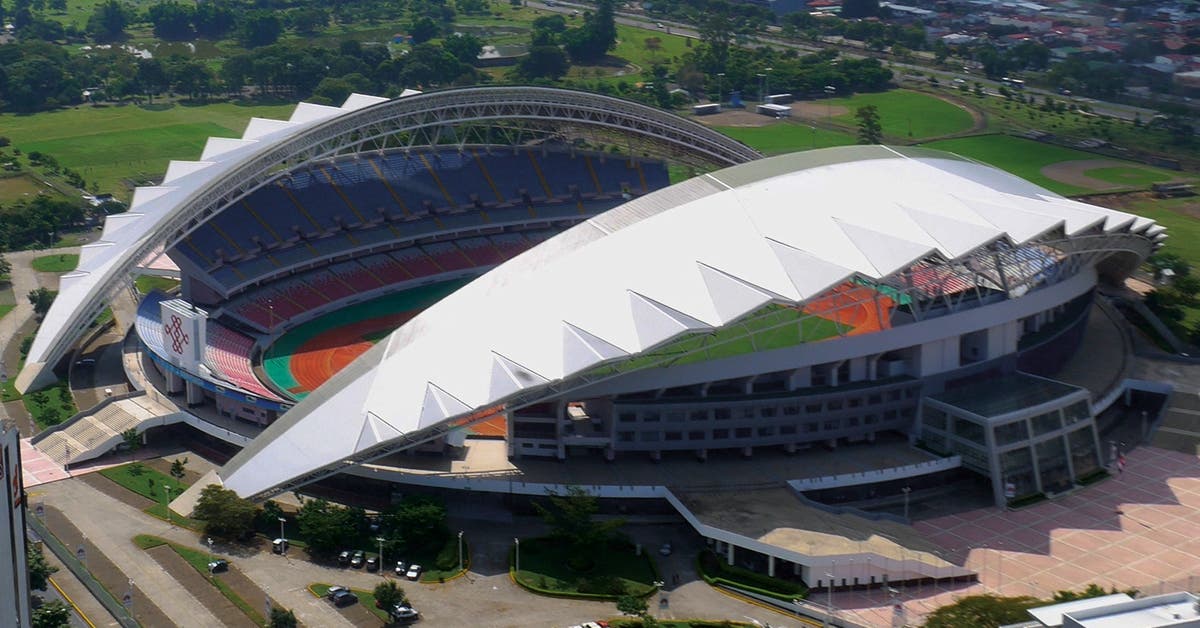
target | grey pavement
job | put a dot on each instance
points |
(24, 280)
(485, 597)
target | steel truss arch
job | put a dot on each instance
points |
(665, 133)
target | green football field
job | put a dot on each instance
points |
(115, 145)
(786, 137)
(905, 115)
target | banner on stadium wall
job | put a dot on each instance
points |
(184, 327)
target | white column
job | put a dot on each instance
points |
(771, 566)
(729, 554)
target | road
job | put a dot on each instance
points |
(947, 77)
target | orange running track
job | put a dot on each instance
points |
(319, 359)
(854, 306)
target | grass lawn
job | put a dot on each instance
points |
(111, 145)
(149, 283)
(144, 481)
(199, 560)
(366, 598)
(50, 406)
(1178, 215)
(5, 309)
(1132, 177)
(1022, 157)
(55, 263)
(22, 186)
(544, 567)
(786, 137)
(906, 114)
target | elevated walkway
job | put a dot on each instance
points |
(95, 432)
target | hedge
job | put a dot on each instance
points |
(716, 572)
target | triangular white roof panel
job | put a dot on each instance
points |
(308, 112)
(180, 169)
(358, 101)
(219, 146)
(260, 127)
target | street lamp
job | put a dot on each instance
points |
(460, 551)
(906, 490)
(282, 536)
(796, 604)
(167, 503)
(829, 590)
(830, 91)
(382, 571)
(518, 542)
(720, 87)
(766, 81)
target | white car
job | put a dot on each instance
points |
(414, 572)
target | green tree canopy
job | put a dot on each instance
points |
(52, 614)
(388, 594)
(224, 514)
(108, 21)
(870, 131)
(571, 518)
(982, 611)
(41, 299)
(39, 570)
(282, 618)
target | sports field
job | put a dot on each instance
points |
(307, 356)
(903, 114)
(786, 137)
(1030, 159)
(114, 145)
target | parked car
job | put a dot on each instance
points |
(414, 572)
(357, 559)
(665, 549)
(344, 558)
(334, 590)
(218, 565)
(401, 568)
(279, 546)
(344, 598)
(401, 613)
(372, 564)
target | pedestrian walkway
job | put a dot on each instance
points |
(37, 468)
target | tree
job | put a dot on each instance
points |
(636, 606)
(282, 618)
(869, 129)
(52, 614)
(178, 468)
(424, 28)
(39, 570)
(325, 526)
(547, 62)
(5, 266)
(571, 520)
(172, 20)
(589, 43)
(464, 46)
(388, 594)
(108, 21)
(982, 611)
(260, 28)
(41, 299)
(419, 521)
(224, 513)
(133, 441)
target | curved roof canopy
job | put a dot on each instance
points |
(231, 168)
(693, 257)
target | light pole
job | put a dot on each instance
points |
(460, 551)
(382, 571)
(282, 536)
(766, 82)
(796, 604)
(906, 490)
(829, 93)
(517, 541)
(829, 598)
(720, 87)
(211, 558)
(658, 584)
(167, 503)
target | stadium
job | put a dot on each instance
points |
(511, 290)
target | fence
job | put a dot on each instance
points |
(102, 595)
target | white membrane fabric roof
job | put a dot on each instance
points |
(692, 257)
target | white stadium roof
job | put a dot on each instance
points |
(692, 257)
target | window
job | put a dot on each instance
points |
(835, 404)
(968, 430)
(649, 437)
(651, 417)
(766, 431)
(1010, 433)
(747, 412)
(742, 432)
(812, 427)
(625, 437)
(698, 415)
(627, 417)
(674, 435)
(831, 425)
(875, 398)
(787, 429)
(696, 435)
(675, 416)
(720, 434)
(722, 414)
(767, 412)
(852, 421)
(813, 408)
(791, 410)
(1046, 423)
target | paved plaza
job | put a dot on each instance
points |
(1140, 529)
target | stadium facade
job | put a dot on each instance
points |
(548, 271)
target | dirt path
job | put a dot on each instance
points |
(1072, 173)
